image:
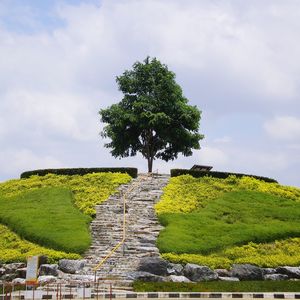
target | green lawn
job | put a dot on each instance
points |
(48, 217)
(234, 218)
(219, 286)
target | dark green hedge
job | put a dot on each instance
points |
(197, 174)
(79, 171)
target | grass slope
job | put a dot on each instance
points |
(48, 217)
(217, 222)
(87, 191)
(234, 218)
(14, 248)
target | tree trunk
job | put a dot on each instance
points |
(150, 164)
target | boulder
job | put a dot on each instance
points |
(11, 268)
(275, 277)
(268, 271)
(18, 281)
(175, 269)
(145, 276)
(247, 272)
(175, 278)
(48, 270)
(222, 272)
(46, 279)
(154, 265)
(199, 273)
(8, 277)
(2, 271)
(228, 278)
(43, 260)
(71, 266)
(21, 273)
(291, 272)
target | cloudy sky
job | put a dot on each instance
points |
(238, 61)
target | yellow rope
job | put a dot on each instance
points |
(124, 227)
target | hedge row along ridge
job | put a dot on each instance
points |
(215, 174)
(79, 171)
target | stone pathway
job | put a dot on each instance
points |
(142, 228)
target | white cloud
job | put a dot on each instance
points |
(231, 56)
(283, 128)
(18, 161)
(211, 156)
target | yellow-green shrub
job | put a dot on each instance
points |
(279, 253)
(88, 190)
(186, 193)
(13, 248)
(212, 261)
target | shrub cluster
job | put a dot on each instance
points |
(88, 190)
(215, 174)
(79, 171)
(13, 248)
(279, 253)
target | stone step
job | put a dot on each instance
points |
(142, 228)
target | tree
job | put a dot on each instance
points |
(153, 117)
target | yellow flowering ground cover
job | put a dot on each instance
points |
(218, 222)
(13, 248)
(88, 190)
(84, 193)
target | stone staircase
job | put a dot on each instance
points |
(142, 229)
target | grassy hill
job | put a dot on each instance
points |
(51, 211)
(217, 222)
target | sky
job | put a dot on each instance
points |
(237, 61)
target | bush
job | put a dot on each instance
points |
(13, 248)
(79, 171)
(88, 190)
(215, 174)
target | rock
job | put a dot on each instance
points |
(199, 273)
(222, 272)
(228, 278)
(48, 270)
(292, 272)
(268, 271)
(83, 278)
(145, 276)
(175, 269)
(46, 279)
(11, 268)
(275, 277)
(18, 281)
(21, 273)
(175, 278)
(8, 277)
(71, 266)
(154, 265)
(43, 259)
(247, 272)
(2, 271)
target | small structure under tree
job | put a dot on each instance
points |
(153, 117)
(201, 168)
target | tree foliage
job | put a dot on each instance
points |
(153, 117)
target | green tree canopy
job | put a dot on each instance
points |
(153, 117)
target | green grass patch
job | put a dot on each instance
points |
(13, 248)
(48, 217)
(219, 286)
(234, 218)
